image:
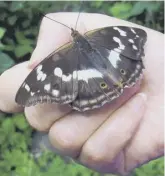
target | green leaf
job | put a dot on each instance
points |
(16, 5)
(97, 4)
(22, 39)
(152, 6)
(7, 126)
(12, 19)
(22, 50)
(5, 62)
(2, 136)
(26, 23)
(137, 9)
(121, 10)
(2, 32)
(20, 122)
(7, 47)
(3, 4)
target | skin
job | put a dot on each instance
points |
(113, 139)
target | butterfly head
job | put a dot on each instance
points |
(75, 34)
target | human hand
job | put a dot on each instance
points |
(114, 138)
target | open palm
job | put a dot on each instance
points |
(115, 138)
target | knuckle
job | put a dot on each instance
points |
(12, 108)
(34, 119)
(158, 149)
(128, 135)
(64, 143)
(92, 157)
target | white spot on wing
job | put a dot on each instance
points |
(32, 93)
(27, 87)
(88, 74)
(131, 41)
(133, 30)
(122, 33)
(41, 76)
(55, 92)
(134, 47)
(118, 50)
(114, 57)
(58, 72)
(39, 68)
(66, 78)
(74, 74)
(121, 46)
(47, 87)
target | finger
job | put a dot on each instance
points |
(149, 139)
(42, 116)
(110, 139)
(10, 81)
(70, 133)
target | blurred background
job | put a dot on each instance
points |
(19, 25)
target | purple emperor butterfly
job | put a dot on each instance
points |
(89, 72)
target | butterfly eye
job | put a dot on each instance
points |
(123, 72)
(103, 85)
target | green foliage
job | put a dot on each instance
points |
(153, 168)
(2, 32)
(20, 20)
(125, 10)
(121, 10)
(16, 158)
(5, 62)
(19, 26)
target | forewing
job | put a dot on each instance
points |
(128, 41)
(52, 80)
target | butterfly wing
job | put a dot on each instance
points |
(98, 81)
(127, 41)
(124, 48)
(86, 79)
(130, 70)
(52, 80)
(115, 64)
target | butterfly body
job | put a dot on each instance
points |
(89, 72)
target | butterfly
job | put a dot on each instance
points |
(88, 72)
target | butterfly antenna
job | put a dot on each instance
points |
(79, 14)
(55, 21)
